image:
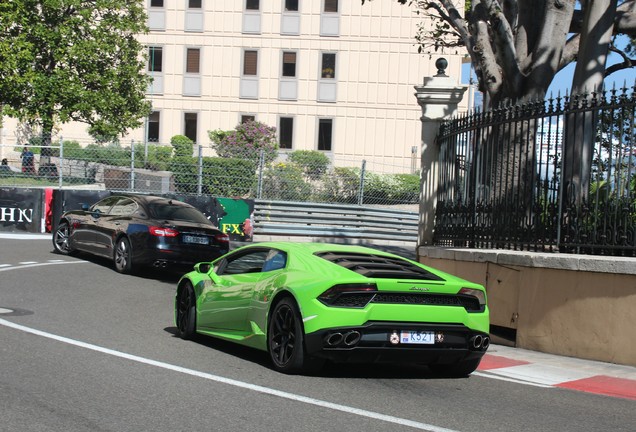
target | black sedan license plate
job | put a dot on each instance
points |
(195, 239)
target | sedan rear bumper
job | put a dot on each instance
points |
(380, 342)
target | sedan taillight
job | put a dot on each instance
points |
(163, 232)
(222, 238)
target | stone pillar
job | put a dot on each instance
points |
(438, 97)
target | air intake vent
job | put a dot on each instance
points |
(376, 266)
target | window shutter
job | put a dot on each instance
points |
(192, 61)
(249, 63)
(289, 57)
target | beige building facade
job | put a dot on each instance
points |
(330, 75)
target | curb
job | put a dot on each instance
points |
(547, 370)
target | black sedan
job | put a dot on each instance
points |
(141, 230)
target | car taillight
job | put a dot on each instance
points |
(479, 294)
(163, 232)
(337, 293)
(222, 238)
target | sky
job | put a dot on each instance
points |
(563, 80)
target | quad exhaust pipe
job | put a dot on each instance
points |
(480, 342)
(160, 264)
(348, 339)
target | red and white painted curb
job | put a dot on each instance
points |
(549, 375)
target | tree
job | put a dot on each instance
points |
(517, 46)
(246, 140)
(74, 60)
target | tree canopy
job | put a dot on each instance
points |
(74, 60)
(517, 46)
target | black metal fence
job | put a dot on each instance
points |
(557, 175)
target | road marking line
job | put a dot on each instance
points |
(27, 262)
(232, 382)
(32, 236)
(5, 265)
(490, 374)
(40, 264)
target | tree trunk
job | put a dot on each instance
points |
(596, 32)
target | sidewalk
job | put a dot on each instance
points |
(548, 370)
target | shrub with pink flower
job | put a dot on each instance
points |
(246, 141)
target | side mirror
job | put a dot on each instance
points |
(206, 268)
(203, 267)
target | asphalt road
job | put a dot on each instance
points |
(88, 349)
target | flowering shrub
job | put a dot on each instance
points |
(246, 141)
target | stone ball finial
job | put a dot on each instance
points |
(441, 64)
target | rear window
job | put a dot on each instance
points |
(177, 212)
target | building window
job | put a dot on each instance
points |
(286, 132)
(290, 18)
(193, 59)
(330, 19)
(331, 6)
(328, 66)
(194, 16)
(155, 59)
(153, 127)
(156, 16)
(325, 130)
(245, 118)
(252, 17)
(249, 77)
(250, 62)
(190, 126)
(289, 64)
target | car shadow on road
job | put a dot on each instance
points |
(245, 353)
(146, 272)
(329, 370)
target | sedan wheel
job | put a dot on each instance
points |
(61, 239)
(285, 338)
(186, 312)
(123, 258)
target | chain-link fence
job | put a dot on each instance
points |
(300, 175)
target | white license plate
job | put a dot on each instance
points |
(417, 337)
(195, 239)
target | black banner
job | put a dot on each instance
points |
(21, 210)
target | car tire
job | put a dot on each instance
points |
(186, 312)
(456, 370)
(123, 256)
(61, 239)
(285, 340)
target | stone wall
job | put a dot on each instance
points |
(575, 305)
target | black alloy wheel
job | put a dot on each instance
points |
(285, 340)
(123, 256)
(186, 312)
(61, 239)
